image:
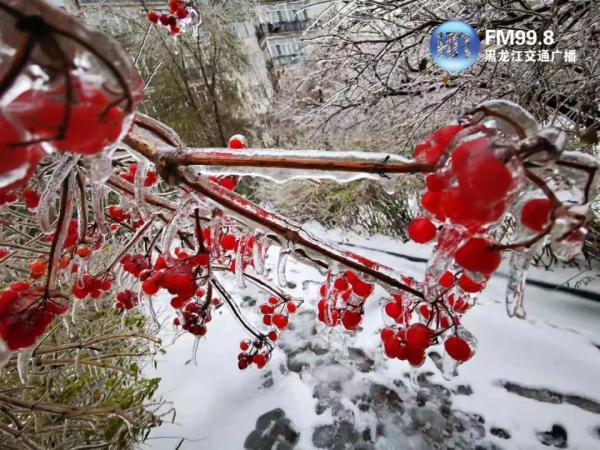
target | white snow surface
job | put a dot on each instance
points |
(556, 348)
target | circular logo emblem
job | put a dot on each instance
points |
(454, 45)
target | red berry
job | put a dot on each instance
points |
(430, 150)
(458, 349)
(394, 348)
(266, 309)
(536, 213)
(468, 285)
(259, 360)
(280, 321)
(421, 230)
(164, 20)
(291, 307)
(244, 346)
(229, 242)
(419, 335)
(37, 269)
(153, 16)
(351, 320)
(435, 182)
(94, 120)
(387, 333)
(393, 309)
(425, 311)
(477, 255)
(32, 198)
(182, 12)
(446, 280)
(479, 171)
(237, 142)
(340, 284)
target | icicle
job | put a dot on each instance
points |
(23, 359)
(76, 362)
(98, 208)
(258, 252)
(100, 165)
(440, 260)
(61, 232)
(449, 367)
(4, 354)
(153, 311)
(48, 198)
(515, 287)
(65, 323)
(138, 184)
(413, 377)
(215, 236)
(65, 428)
(195, 351)
(175, 224)
(74, 308)
(282, 263)
(239, 263)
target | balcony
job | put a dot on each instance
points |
(283, 60)
(265, 29)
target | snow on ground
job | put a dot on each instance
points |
(527, 375)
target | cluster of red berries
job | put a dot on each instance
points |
(30, 197)
(179, 11)
(176, 275)
(149, 181)
(195, 315)
(432, 319)
(135, 264)
(91, 285)
(229, 245)
(126, 299)
(26, 313)
(256, 352)
(94, 120)
(410, 343)
(342, 300)
(276, 311)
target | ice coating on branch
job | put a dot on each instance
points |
(62, 230)
(45, 208)
(441, 260)
(520, 260)
(310, 158)
(23, 360)
(512, 111)
(100, 166)
(259, 249)
(139, 181)
(97, 197)
(284, 254)
(239, 263)
(568, 233)
(182, 215)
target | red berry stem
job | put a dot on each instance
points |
(136, 237)
(233, 307)
(489, 113)
(591, 171)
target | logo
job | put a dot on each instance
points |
(454, 46)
